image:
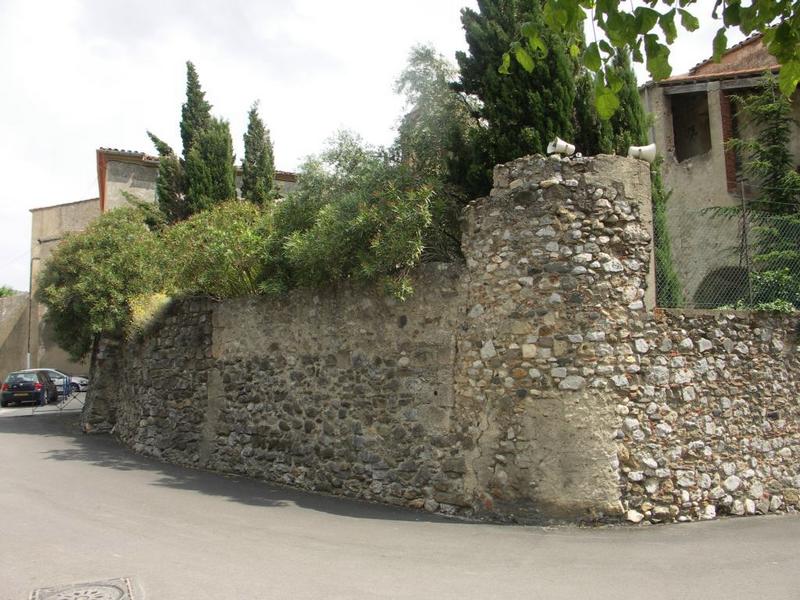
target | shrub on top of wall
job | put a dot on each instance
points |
(146, 310)
(358, 215)
(88, 282)
(218, 252)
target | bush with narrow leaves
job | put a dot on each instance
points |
(88, 282)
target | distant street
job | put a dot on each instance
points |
(77, 508)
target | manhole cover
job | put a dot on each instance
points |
(113, 589)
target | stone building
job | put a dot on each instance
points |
(121, 174)
(693, 119)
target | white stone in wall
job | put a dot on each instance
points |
(620, 380)
(732, 483)
(634, 516)
(573, 382)
(546, 232)
(613, 266)
(749, 506)
(663, 429)
(488, 351)
(658, 375)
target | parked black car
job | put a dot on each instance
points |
(35, 387)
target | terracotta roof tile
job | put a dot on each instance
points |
(128, 153)
(740, 65)
(745, 42)
(287, 176)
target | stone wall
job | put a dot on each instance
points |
(556, 246)
(534, 381)
(709, 416)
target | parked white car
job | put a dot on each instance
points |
(77, 383)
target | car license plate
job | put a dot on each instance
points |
(22, 394)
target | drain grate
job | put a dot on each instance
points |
(113, 589)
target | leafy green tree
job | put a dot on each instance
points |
(89, 281)
(6, 291)
(195, 112)
(219, 252)
(767, 157)
(647, 33)
(433, 133)
(209, 169)
(522, 114)
(258, 167)
(357, 214)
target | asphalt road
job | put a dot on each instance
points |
(77, 508)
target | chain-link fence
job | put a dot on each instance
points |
(739, 256)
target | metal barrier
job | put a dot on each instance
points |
(736, 257)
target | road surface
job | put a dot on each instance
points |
(76, 508)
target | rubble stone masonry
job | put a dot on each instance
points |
(534, 381)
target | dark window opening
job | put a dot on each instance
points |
(690, 125)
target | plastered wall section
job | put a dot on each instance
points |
(700, 242)
(127, 178)
(136, 178)
(49, 225)
(13, 333)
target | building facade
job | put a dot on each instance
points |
(693, 120)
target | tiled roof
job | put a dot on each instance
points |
(715, 76)
(128, 153)
(745, 42)
(287, 176)
(739, 64)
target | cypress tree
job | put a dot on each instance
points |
(629, 122)
(169, 184)
(258, 167)
(210, 174)
(523, 111)
(195, 112)
(593, 135)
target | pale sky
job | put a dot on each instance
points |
(79, 74)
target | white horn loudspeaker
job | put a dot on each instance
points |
(559, 146)
(647, 153)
